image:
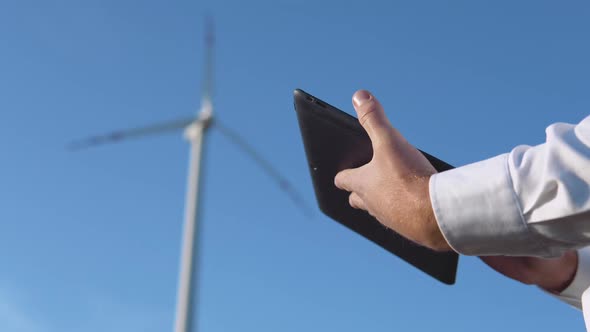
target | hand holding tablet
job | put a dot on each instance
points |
(335, 141)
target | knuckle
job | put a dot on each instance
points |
(367, 111)
(352, 201)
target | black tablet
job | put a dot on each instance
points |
(334, 141)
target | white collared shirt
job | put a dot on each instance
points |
(533, 201)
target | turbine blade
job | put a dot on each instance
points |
(117, 136)
(207, 85)
(283, 183)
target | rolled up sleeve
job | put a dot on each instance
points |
(533, 201)
(477, 211)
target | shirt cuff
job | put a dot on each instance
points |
(478, 212)
(573, 293)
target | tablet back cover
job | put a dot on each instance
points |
(334, 141)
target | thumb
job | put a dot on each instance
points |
(372, 117)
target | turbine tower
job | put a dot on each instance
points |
(195, 130)
(195, 134)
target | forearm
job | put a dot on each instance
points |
(551, 274)
(555, 274)
(572, 294)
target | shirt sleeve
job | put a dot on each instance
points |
(533, 201)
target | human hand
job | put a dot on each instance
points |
(394, 186)
(551, 274)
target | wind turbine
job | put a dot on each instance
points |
(195, 130)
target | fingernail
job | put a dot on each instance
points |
(360, 97)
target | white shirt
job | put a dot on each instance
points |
(533, 201)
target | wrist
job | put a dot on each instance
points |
(437, 239)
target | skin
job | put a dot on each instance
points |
(551, 274)
(394, 188)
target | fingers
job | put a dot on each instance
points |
(356, 201)
(372, 117)
(349, 180)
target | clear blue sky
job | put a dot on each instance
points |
(89, 241)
